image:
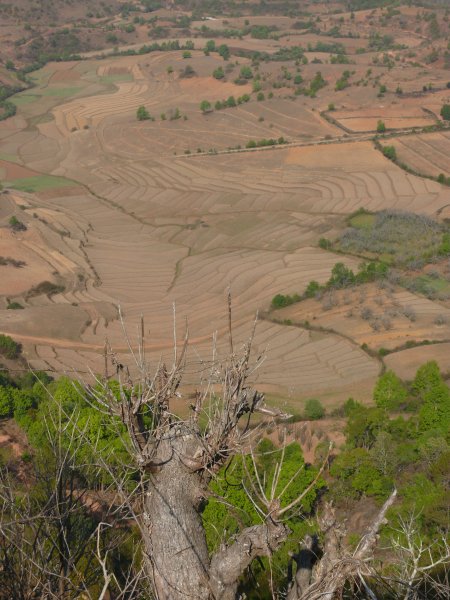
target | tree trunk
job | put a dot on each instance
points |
(175, 540)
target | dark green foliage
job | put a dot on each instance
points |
(314, 409)
(265, 142)
(246, 72)
(413, 453)
(7, 109)
(280, 300)
(14, 306)
(45, 287)
(142, 114)
(9, 348)
(312, 289)
(6, 403)
(325, 244)
(445, 112)
(343, 82)
(205, 106)
(218, 73)
(341, 276)
(224, 51)
(389, 152)
(261, 32)
(222, 522)
(381, 127)
(445, 245)
(317, 83)
(210, 46)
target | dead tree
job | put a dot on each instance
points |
(177, 458)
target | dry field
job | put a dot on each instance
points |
(380, 317)
(134, 222)
(427, 153)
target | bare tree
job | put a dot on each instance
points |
(415, 560)
(177, 458)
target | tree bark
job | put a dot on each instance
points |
(229, 563)
(175, 541)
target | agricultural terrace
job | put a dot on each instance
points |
(177, 206)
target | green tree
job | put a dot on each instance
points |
(224, 51)
(218, 73)
(142, 114)
(210, 46)
(381, 127)
(435, 412)
(341, 276)
(6, 403)
(363, 426)
(427, 378)
(8, 347)
(389, 391)
(246, 72)
(205, 106)
(314, 409)
(445, 112)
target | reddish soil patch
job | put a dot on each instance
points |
(13, 171)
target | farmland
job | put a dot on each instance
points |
(173, 210)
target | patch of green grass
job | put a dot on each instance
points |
(362, 221)
(61, 92)
(23, 99)
(119, 78)
(39, 183)
(9, 157)
(436, 284)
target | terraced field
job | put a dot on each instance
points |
(427, 153)
(139, 224)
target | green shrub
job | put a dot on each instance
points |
(445, 112)
(8, 347)
(17, 225)
(389, 152)
(142, 114)
(314, 409)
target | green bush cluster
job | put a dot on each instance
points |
(384, 449)
(341, 277)
(265, 142)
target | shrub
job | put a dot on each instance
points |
(142, 114)
(246, 72)
(205, 106)
(314, 409)
(9, 348)
(280, 300)
(14, 306)
(381, 127)
(16, 225)
(6, 403)
(445, 112)
(389, 152)
(218, 73)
